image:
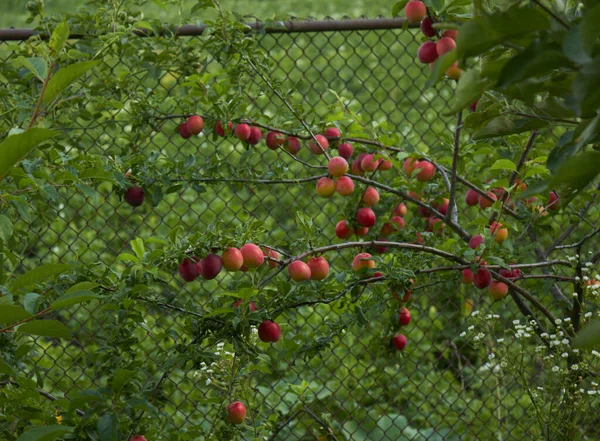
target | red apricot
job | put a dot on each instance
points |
(345, 150)
(370, 197)
(450, 33)
(399, 341)
(319, 268)
(427, 52)
(344, 186)
(369, 163)
(239, 302)
(253, 256)
(361, 261)
(467, 276)
(454, 72)
(400, 210)
(236, 412)
(342, 230)
(299, 271)
(134, 196)
(269, 331)
(427, 171)
(485, 202)
(337, 166)
(269, 252)
(475, 241)
(323, 144)
(415, 11)
(195, 124)
(219, 130)
(242, 132)
(500, 234)
(189, 269)
(332, 132)
(292, 145)
(274, 140)
(498, 290)
(443, 207)
(326, 187)
(445, 45)
(232, 259)
(255, 136)
(184, 131)
(396, 223)
(211, 266)
(553, 201)
(365, 217)
(427, 27)
(471, 198)
(482, 278)
(404, 317)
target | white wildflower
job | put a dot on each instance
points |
(555, 369)
(564, 354)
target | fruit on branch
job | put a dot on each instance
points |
(475, 241)
(407, 293)
(380, 248)
(332, 133)
(337, 166)
(369, 163)
(396, 223)
(553, 201)
(344, 186)
(365, 217)
(361, 261)
(434, 225)
(299, 271)
(454, 72)
(242, 132)
(137, 438)
(419, 239)
(232, 259)
(427, 52)
(220, 130)
(498, 290)
(319, 268)
(427, 27)
(239, 302)
(510, 273)
(269, 331)
(424, 212)
(404, 317)
(385, 165)
(415, 11)
(184, 131)
(426, 171)
(190, 269)
(134, 196)
(471, 198)
(236, 412)
(466, 276)
(211, 266)
(323, 144)
(255, 136)
(269, 252)
(326, 187)
(408, 166)
(485, 202)
(274, 140)
(370, 197)
(450, 33)
(400, 210)
(473, 106)
(292, 145)
(343, 230)
(345, 150)
(253, 256)
(482, 278)
(500, 234)
(399, 342)
(443, 207)
(195, 124)
(445, 45)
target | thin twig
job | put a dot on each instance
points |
(551, 13)
(452, 214)
(41, 392)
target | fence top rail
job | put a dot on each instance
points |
(275, 27)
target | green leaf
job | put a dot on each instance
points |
(573, 48)
(108, 427)
(590, 31)
(126, 257)
(73, 298)
(138, 247)
(440, 66)
(588, 337)
(470, 87)
(141, 404)
(6, 369)
(59, 38)
(120, 378)
(503, 125)
(45, 433)
(64, 77)
(39, 275)
(36, 65)
(45, 328)
(30, 302)
(81, 286)
(6, 228)
(398, 8)
(16, 147)
(576, 173)
(504, 164)
(12, 313)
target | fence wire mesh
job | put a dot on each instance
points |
(438, 390)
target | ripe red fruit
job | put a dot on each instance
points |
(344, 186)
(500, 234)
(292, 145)
(345, 150)
(473, 106)
(432, 225)
(274, 140)
(299, 271)
(396, 223)
(553, 201)
(415, 11)
(399, 342)
(239, 302)
(253, 256)
(471, 198)
(408, 166)
(510, 274)
(370, 197)
(385, 165)
(314, 147)
(475, 241)
(211, 266)
(361, 261)
(332, 132)
(369, 163)
(342, 230)
(319, 268)
(467, 276)
(404, 317)
(427, 27)
(426, 171)
(236, 412)
(137, 438)
(337, 166)
(232, 259)
(326, 187)
(219, 130)
(255, 136)
(443, 207)
(400, 210)
(195, 124)
(445, 45)
(482, 278)
(184, 131)
(134, 196)
(485, 202)
(424, 212)
(454, 71)
(365, 217)
(242, 132)
(268, 252)
(190, 269)
(450, 33)
(269, 331)
(498, 290)
(427, 52)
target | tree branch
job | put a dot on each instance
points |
(452, 214)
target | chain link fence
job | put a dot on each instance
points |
(438, 389)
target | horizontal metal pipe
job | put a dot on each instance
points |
(290, 27)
